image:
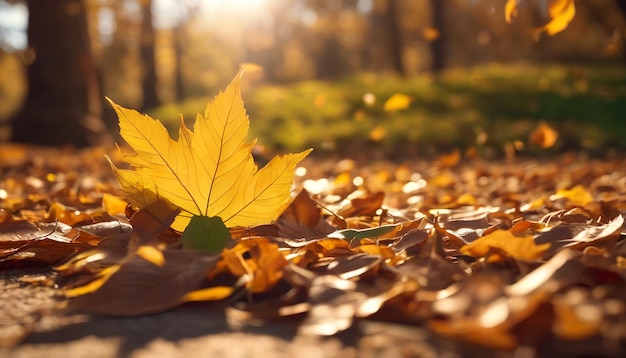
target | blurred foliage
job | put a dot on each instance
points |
(12, 90)
(320, 58)
(486, 107)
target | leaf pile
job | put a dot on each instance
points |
(500, 254)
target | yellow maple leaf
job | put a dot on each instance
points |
(521, 248)
(208, 171)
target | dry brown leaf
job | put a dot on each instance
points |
(138, 286)
(303, 220)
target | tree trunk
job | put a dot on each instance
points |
(63, 105)
(394, 31)
(148, 60)
(621, 4)
(437, 8)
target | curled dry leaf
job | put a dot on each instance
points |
(137, 285)
(22, 242)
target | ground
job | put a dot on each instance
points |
(589, 275)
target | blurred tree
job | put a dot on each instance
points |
(63, 105)
(438, 56)
(621, 4)
(325, 47)
(148, 59)
(394, 34)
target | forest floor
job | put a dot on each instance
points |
(522, 257)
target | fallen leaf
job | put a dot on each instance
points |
(264, 265)
(577, 195)
(521, 248)
(138, 286)
(366, 205)
(303, 219)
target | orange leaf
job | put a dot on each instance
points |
(544, 136)
(521, 248)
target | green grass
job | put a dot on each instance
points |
(586, 104)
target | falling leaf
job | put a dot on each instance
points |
(207, 172)
(397, 102)
(430, 34)
(521, 248)
(449, 160)
(378, 133)
(510, 9)
(561, 14)
(544, 136)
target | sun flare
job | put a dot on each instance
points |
(236, 6)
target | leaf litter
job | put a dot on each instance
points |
(496, 253)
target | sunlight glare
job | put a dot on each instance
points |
(249, 7)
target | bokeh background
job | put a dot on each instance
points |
(403, 77)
